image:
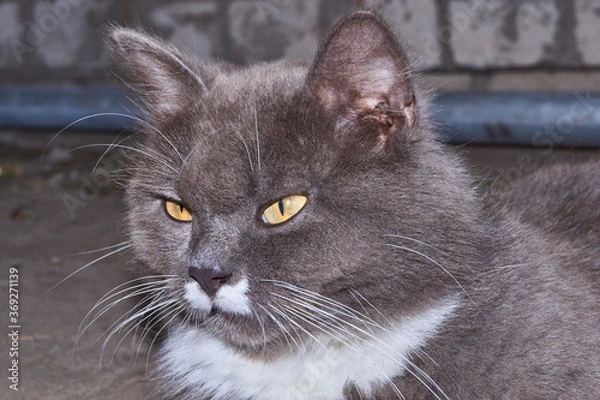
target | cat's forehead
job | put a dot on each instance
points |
(251, 136)
(263, 82)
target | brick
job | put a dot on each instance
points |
(588, 20)
(63, 39)
(441, 83)
(192, 26)
(58, 28)
(501, 33)
(276, 29)
(10, 34)
(58, 38)
(416, 22)
(546, 81)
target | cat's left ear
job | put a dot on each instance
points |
(164, 78)
(361, 73)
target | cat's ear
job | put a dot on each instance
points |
(162, 76)
(361, 72)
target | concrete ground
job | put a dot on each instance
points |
(50, 211)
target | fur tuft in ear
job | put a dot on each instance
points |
(361, 73)
(163, 77)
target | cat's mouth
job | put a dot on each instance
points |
(228, 315)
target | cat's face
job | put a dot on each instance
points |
(275, 197)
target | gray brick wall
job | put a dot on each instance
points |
(54, 40)
(459, 40)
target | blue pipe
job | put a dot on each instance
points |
(510, 118)
(56, 107)
(520, 118)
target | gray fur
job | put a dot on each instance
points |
(382, 193)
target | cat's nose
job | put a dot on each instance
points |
(210, 280)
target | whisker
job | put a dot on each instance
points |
(107, 114)
(247, 150)
(166, 308)
(376, 341)
(421, 243)
(434, 262)
(84, 267)
(336, 322)
(261, 323)
(159, 280)
(139, 290)
(297, 325)
(154, 157)
(132, 319)
(392, 356)
(504, 267)
(83, 253)
(113, 114)
(314, 321)
(185, 160)
(281, 326)
(325, 327)
(135, 313)
(113, 145)
(175, 312)
(257, 138)
(148, 328)
(322, 312)
(164, 137)
(86, 323)
(355, 293)
(332, 304)
(152, 289)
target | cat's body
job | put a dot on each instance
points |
(386, 275)
(533, 325)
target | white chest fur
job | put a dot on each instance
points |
(208, 368)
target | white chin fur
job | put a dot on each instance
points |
(193, 360)
(229, 298)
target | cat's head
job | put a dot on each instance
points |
(276, 195)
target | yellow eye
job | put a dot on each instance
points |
(177, 211)
(283, 209)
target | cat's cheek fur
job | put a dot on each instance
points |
(196, 298)
(206, 367)
(234, 298)
(229, 298)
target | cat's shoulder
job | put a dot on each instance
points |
(567, 190)
(559, 201)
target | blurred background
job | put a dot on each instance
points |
(473, 44)
(517, 86)
(54, 67)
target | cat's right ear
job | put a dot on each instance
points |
(164, 78)
(362, 74)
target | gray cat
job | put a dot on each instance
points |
(303, 235)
